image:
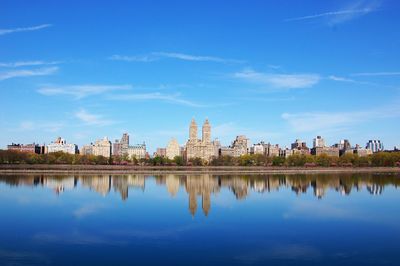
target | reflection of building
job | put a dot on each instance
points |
(200, 148)
(202, 186)
(172, 149)
(124, 182)
(100, 184)
(172, 183)
(61, 145)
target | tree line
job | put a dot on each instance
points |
(385, 159)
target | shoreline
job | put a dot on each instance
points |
(129, 169)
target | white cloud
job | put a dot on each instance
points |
(170, 98)
(81, 91)
(281, 81)
(354, 10)
(33, 28)
(136, 58)
(29, 125)
(28, 72)
(154, 56)
(343, 79)
(330, 121)
(377, 74)
(92, 119)
(28, 63)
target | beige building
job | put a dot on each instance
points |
(173, 149)
(200, 148)
(102, 147)
(138, 151)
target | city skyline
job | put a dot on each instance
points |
(117, 69)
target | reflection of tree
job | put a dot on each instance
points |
(206, 185)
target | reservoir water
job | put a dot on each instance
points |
(325, 219)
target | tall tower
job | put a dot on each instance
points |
(206, 134)
(193, 131)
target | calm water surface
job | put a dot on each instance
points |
(349, 219)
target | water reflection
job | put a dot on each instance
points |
(206, 185)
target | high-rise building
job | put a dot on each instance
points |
(375, 145)
(172, 149)
(122, 147)
(318, 142)
(200, 148)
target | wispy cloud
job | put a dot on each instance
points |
(169, 98)
(92, 119)
(280, 81)
(29, 125)
(328, 121)
(354, 10)
(343, 79)
(371, 74)
(81, 91)
(28, 63)
(155, 56)
(136, 58)
(33, 28)
(28, 72)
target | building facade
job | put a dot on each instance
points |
(28, 148)
(318, 142)
(172, 149)
(200, 148)
(61, 145)
(375, 145)
(102, 147)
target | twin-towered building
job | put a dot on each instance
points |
(200, 148)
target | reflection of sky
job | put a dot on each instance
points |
(37, 226)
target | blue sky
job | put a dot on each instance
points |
(274, 71)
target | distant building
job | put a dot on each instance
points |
(300, 147)
(122, 147)
(200, 148)
(272, 150)
(172, 149)
(361, 151)
(160, 152)
(28, 148)
(239, 146)
(138, 151)
(318, 142)
(61, 145)
(375, 145)
(285, 152)
(299, 144)
(258, 148)
(330, 151)
(102, 147)
(86, 150)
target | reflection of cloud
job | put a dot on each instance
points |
(22, 258)
(153, 234)
(75, 238)
(282, 252)
(308, 209)
(88, 209)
